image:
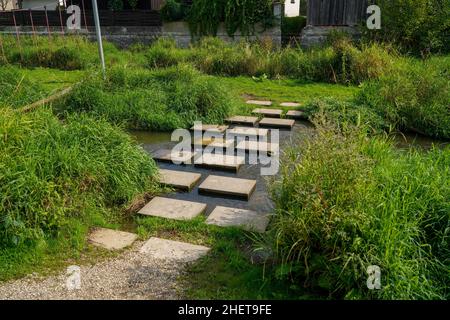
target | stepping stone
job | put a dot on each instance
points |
(179, 179)
(166, 155)
(295, 114)
(220, 161)
(111, 239)
(261, 146)
(260, 102)
(173, 208)
(277, 123)
(235, 217)
(227, 186)
(290, 104)
(274, 113)
(242, 120)
(163, 249)
(212, 128)
(216, 142)
(248, 132)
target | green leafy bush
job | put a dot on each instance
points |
(53, 171)
(345, 202)
(174, 10)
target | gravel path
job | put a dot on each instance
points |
(131, 275)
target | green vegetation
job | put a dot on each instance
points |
(159, 100)
(345, 202)
(292, 26)
(57, 179)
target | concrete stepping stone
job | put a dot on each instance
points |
(295, 114)
(242, 120)
(290, 104)
(166, 155)
(111, 239)
(220, 161)
(247, 132)
(260, 102)
(227, 186)
(173, 208)
(179, 179)
(216, 142)
(277, 123)
(163, 249)
(212, 128)
(274, 113)
(258, 146)
(235, 217)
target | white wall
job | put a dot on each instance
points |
(51, 4)
(291, 9)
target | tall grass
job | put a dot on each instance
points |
(345, 202)
(16, 89)
(53, 172)
(162, 99)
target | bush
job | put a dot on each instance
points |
(173, 10)
(345, 202)
(53, 172)
(292, 26)
(163, 99)
(413, 97)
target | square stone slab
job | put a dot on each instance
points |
(277, 123)
(274, 113)
(290, 104)
(235, 217)
(260, 102)
(220, 161)
(179, 179)
(213, 128)
(167, 156)
(242, 120)
(295, 114)
(247, 132)
(163, 249)
(111, 239)
(215, 142)
(227, 186)
(265, 147)
(173, 208)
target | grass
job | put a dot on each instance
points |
(57, 179)
(345, 202)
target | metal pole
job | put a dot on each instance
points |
(99, 36)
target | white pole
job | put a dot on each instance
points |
(99, 37)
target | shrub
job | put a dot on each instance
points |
(53, 172)
(173, 10)
(345, 202)
(414, 97)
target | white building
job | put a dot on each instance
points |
(292, 8)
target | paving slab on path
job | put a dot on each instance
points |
(215, 142)
(258, 146)
(179, 179)
(277, 123)
(243, 120)
(220, 161)
(290, 104)
(167, 155)
(163, 249)
(236, 217)
(227, 186)
(111, 239)
(274, 113)
(173, 208)
(212, 128)
(295, 114)
(260, 102)
(247, 132)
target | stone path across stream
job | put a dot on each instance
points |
(149, 270)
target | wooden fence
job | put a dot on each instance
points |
(336, 12)
(144, 18)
